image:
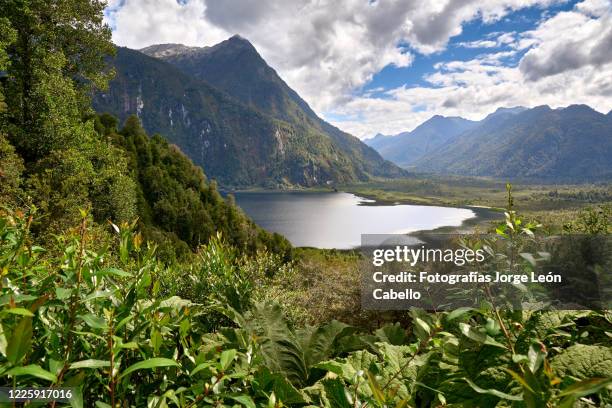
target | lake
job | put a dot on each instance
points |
(337, 220)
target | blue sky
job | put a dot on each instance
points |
(385, 66)
(519, 21)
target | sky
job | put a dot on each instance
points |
(385, 66)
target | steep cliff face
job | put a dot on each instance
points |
(235, 67)
(234, 143)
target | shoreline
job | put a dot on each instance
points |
(483, 215)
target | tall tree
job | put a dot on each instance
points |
(11, 164)
(56, 59)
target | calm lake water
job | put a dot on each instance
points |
(337, 220)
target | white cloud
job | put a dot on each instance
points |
(570, 40)
(479, 44)
(138, 23)
(492, 41)
(473, 89)
(327, 50)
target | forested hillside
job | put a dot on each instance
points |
(572, 144)
(235, 67)
(178, 207)
(57, 156)
(564, 145)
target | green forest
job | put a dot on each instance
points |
(129, 279)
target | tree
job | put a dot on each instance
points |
(11, 165)
(54, 55)
(56, 58)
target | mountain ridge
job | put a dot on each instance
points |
(565, 144)
(407, 147)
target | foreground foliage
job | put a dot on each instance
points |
(105, 321)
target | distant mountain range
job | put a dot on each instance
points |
(405, 148)
(572, 144)
(233, 115)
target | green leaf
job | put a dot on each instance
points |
(18, 311)
(113, 271)
(282, 389)
(93, 321)
(392, 334)
(200, 367)
(33, 370)
(76, 401)
(375, 387)
(422, 325)
(520, 380)
(586, 387)
(478, 336)
(489, 341)
(227, 357)
(62, 293)
(244, 400)
(335, 393)
(583, 361)
(3, 342)
(89, 364)
(536, 357)
(20, 341)
(529, 258)
(494, 392)
(458, 313)
(100, 404)
(471, 333)
(123, 322)
(492, 327)
(148, 364)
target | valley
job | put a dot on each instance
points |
(337, 220)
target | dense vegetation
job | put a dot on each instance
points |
(177, 207)
(110, 323)
(554, 206)
(57, 156)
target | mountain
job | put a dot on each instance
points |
(406, 148)
(373, 141)
(235, 67)
(234, 143)
(505, 113)
(571, 144)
